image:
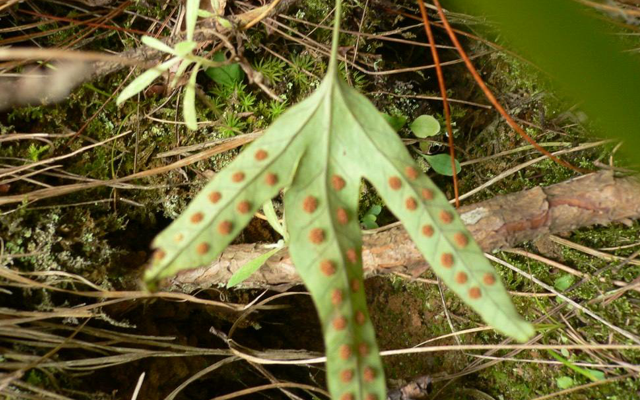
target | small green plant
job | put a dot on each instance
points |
(252, 266)
(302, 63)
(369, 219)
(246, 101)
(183, 58)
(232, 125)
(271, 68)
(276, 108)
(34, 151)
(441, 163)
(319, 151)
(426, 126)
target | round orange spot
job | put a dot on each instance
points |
(395, 183)
(411, 173)
(237, 177)
(345, 352)
(347, 396)
(446, 217)
(461, 239)
(261, 155)
(243, 207)
(355, 285)
(369, 374)
(352, 256)
(489, 279)
(336, 297)
(360, 318)
(337, 182)
(309, 204)
(363, 349)
(197, 217)
(346, 375)
(339, 323)
(427, 194)
(214, 197)
(178, 237)
(159, 255)
(427, 230)
(224, 227)
(411, 203)
(271, 179)
(461, 278)
(316, 236)
(327, 267)
(342, 216)
(446, 259)
(202, 248)
(475, 293)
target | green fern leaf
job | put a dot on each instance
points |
(320, 150)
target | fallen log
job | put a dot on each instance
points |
(501, 222)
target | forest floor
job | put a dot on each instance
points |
(74, 323)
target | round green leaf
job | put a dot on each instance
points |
(441, 163)
(425, 126)
(564, 382)
(564, 282)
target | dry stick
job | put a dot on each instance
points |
(32, 53)
(310, 43)
(11, 275)
(273, 379)
(263, 15)
(489, 94)
(421, 97)
(501, 222)
(381, 36)
(585, 386)
(565, 268)
(501, 176)
(66, 189)
(302, 357)
(200, 374)
(443, 94)
(86, 23)
(19, 373)
(576, 305)
(15, 170)
(271, 386)
(592, 252)
(525, 164)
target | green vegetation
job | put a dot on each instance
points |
(102, 234)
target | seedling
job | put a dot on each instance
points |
(370, 218)
(426, 126)
(183, 58)
(319, 150)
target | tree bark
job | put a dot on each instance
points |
(501, 222)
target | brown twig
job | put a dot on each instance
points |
(491, 97)
(501, 222)
(445, 102)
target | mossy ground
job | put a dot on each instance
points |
(103, 234)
